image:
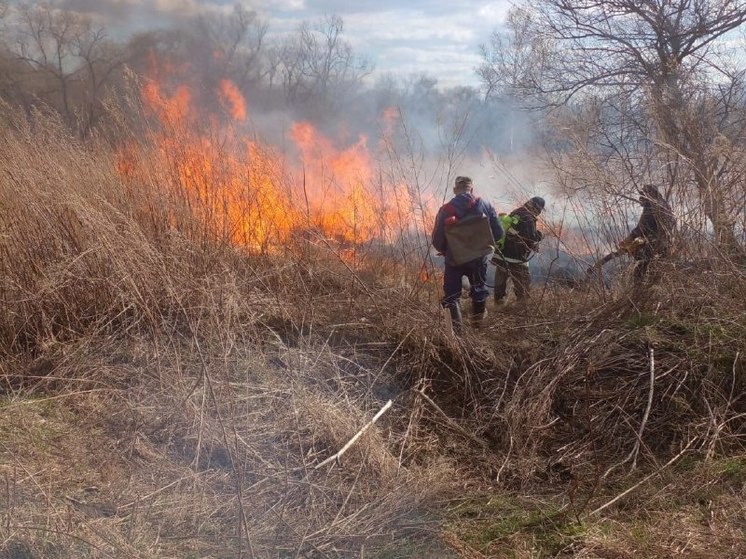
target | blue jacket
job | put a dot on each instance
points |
(461, 205)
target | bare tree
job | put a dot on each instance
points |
(235, 42)
(512, 62)
(101, 60)
(66, 61)
(45, 42)
(660, 59)
(9, 67)
(317, 61)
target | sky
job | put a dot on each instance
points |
(438, 37)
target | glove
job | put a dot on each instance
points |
(631, 244)
(625, 243)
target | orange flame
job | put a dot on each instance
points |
(232, 99)
(240, 190)
(171, 109)
(338, 181)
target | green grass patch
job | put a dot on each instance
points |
(641, 320)
(734, 470)
(499, 521)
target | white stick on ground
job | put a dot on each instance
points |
(643, 480)
(638, 442)
(356, 437)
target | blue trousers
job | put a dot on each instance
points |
(475, 271)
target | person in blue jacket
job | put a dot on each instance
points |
(462, 205)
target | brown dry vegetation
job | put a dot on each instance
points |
(166, 394)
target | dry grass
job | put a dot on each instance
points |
(181, 378)
(209, 469)
(167, 394)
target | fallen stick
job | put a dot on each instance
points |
(638, 442)
(636, 448)
(365, 427)
(643, 480)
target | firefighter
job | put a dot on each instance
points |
(520, 240)
(651, 237)
(465, 231)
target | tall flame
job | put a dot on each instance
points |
(245, 192)
(337, 181)
(170, 109)
(232, 99)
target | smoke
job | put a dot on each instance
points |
(106, 10)
(137, 14)
(415, 129)
(438, 119)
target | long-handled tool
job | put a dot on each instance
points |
(625, 248)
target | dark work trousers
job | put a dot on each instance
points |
(475, 271)
(644, 258)
(516, 272)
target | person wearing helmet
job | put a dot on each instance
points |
(511, 262)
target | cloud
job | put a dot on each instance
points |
(105, 9)
(345, 7)
(141, 12)
(437, 37)
(443, 43)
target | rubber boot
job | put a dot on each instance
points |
(478, 313)
(456, 321)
